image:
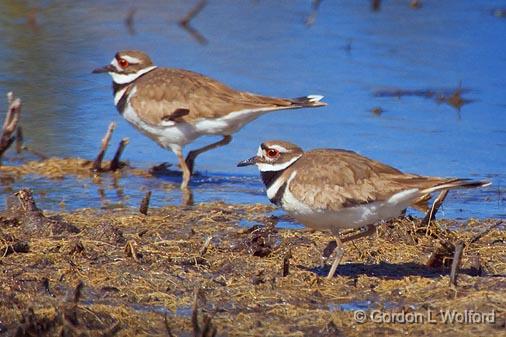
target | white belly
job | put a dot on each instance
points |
(172, 135)
(349, 217)
(166, 135)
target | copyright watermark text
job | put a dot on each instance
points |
(429, 316)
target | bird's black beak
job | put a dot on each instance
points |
(247, 162)
(105, 69)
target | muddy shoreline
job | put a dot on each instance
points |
(194, 270)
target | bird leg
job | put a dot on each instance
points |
(431, 213)
(339, 255)
(370, 229)
(190, 158)
(184, 168)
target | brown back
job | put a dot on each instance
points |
(163, 91)
(333, 179)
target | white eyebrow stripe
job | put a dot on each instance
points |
(131, 59)
(278, 148)
(260, 152)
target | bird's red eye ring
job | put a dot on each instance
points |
(123, 63)
(272, 153)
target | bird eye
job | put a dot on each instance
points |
(123, 63)
(272, 153)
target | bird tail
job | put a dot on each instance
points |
(456, 183)
(308, 101)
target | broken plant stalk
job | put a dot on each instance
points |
(143, 209)
(10, 123)
(116, 162)
(457, 257)
(19, 139)
(97, 163)
(185, 21)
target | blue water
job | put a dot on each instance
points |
(351, 54)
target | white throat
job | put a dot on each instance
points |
(127, 78)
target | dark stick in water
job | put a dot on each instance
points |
(376, 5)
(310, 20)
(145, 203)
(10, 123)
(97, 163)
(116, 162)
(185, 21)
(193, 12)
(19, 139)
(35, 152)
(129, 20)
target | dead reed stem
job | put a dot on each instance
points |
(97, 163)
(116, 161)
(10, 123)
(144, 207)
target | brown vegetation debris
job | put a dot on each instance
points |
(138, 275)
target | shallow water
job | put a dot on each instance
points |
(351, 54)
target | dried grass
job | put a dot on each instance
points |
(140, 274)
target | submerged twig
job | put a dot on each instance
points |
(97, 163)
(375, 5)
(35, 152)
(129, 20)
(116, 161)
(310, 20)
(19, 139)
(10, 123)
(145, 203)
(185, 21)
(199, 6)
(415, 4)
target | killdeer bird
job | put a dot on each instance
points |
(333, 189)
(175, 106)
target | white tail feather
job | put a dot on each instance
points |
(314, 98)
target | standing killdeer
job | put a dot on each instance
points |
(174, 106)
(331, 189)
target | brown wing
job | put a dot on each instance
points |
(333, 179)
(165, 91)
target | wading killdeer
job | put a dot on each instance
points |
(174, 106)
(332, 189)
